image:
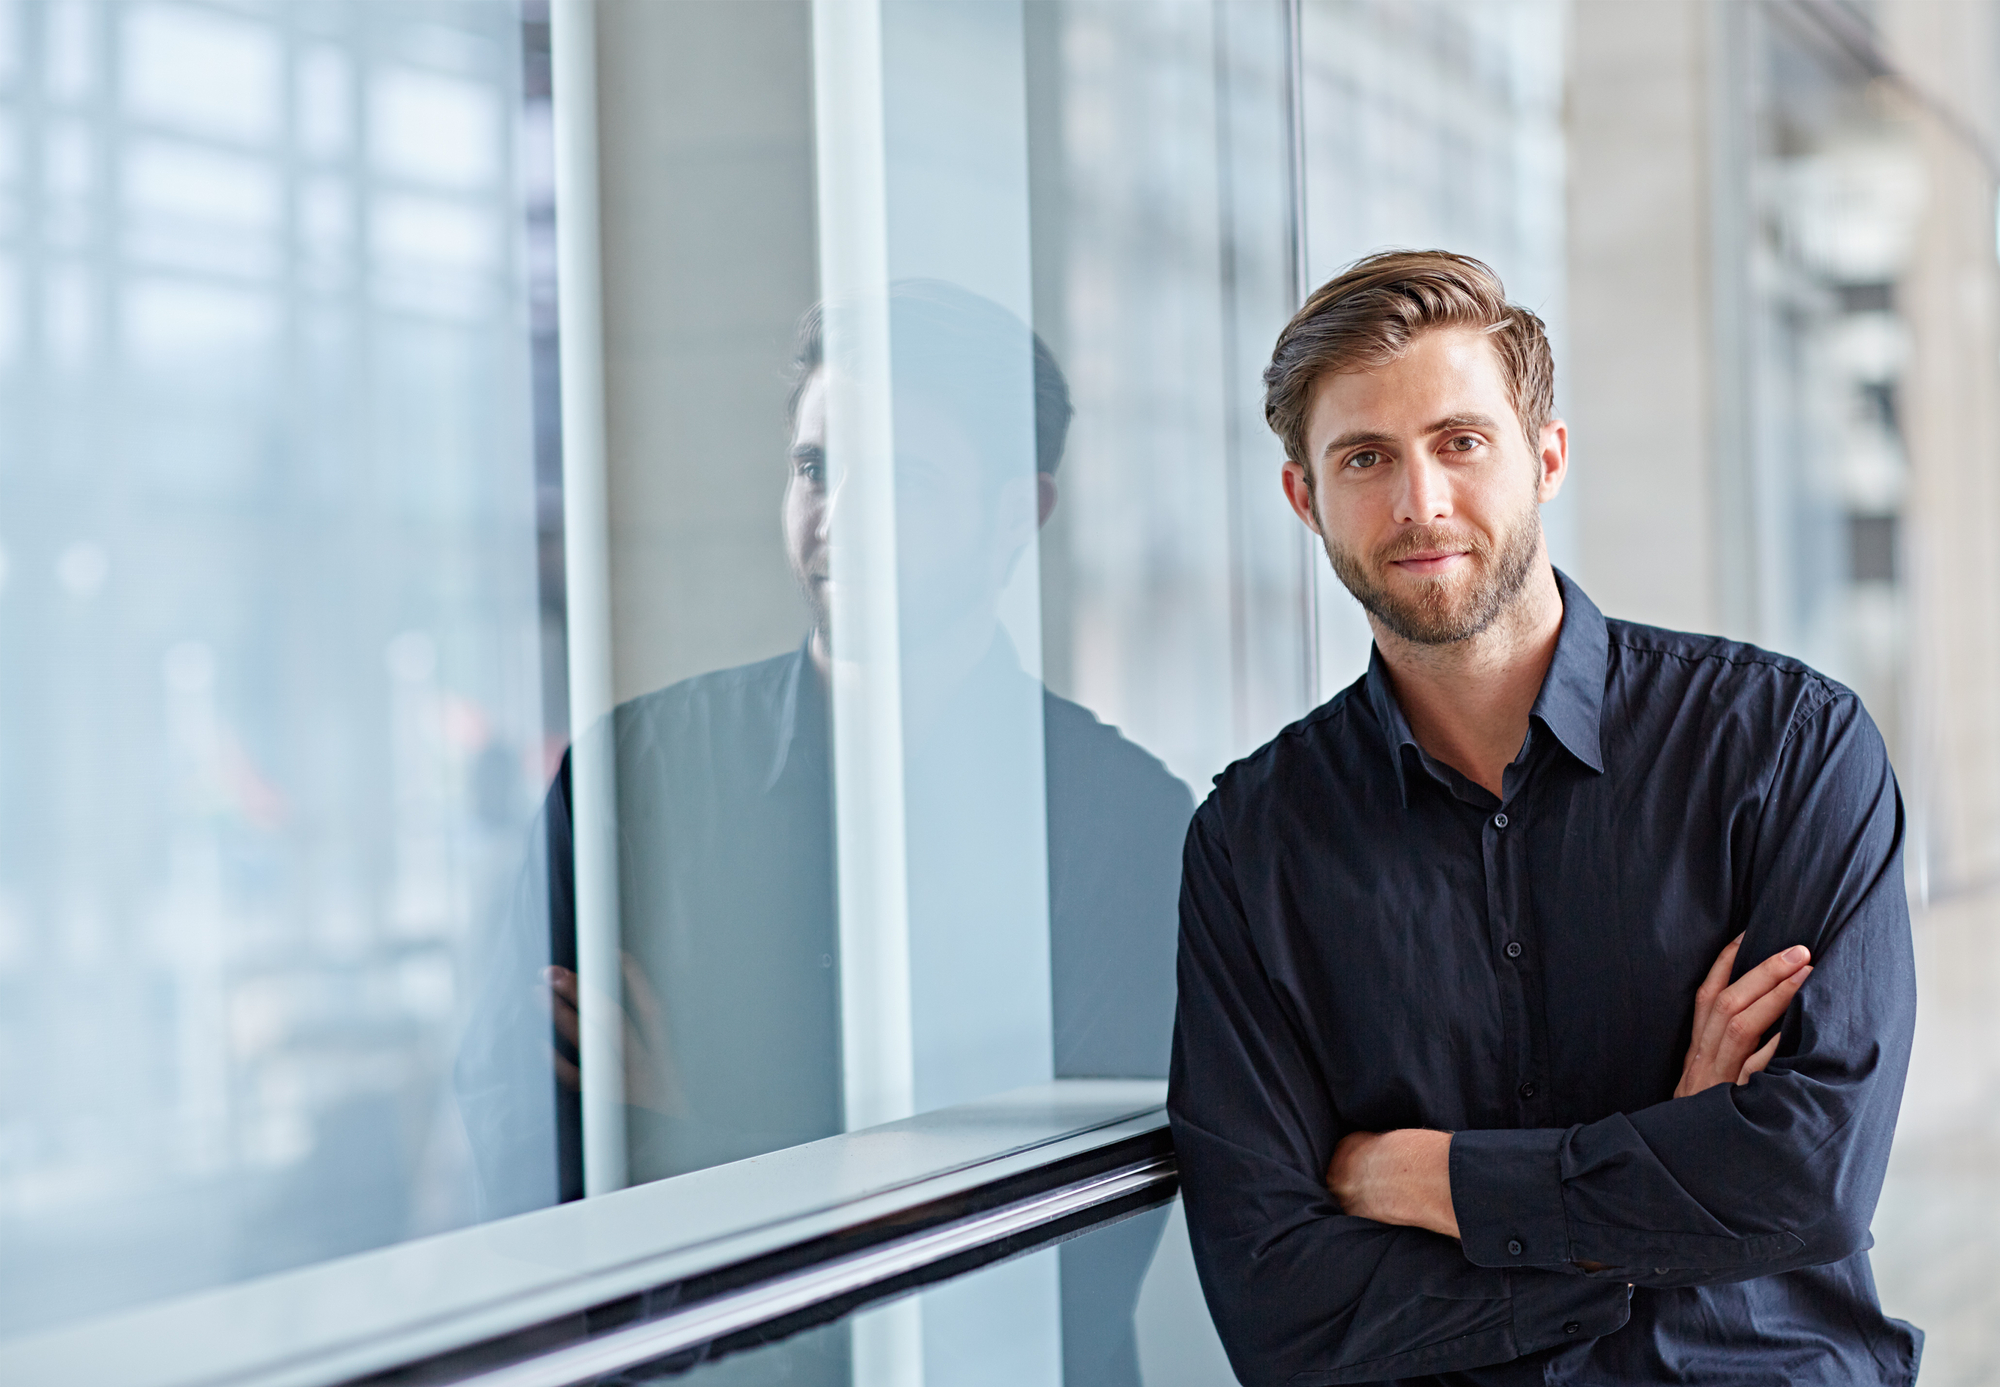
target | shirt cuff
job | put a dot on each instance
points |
(1551, 1309)
(1506, 1192)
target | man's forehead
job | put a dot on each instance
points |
(809, 418)
(1448, 373)
(926, 426)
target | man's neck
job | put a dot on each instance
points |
(932, 670)
(1468, 702)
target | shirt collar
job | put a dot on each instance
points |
(1570, 704)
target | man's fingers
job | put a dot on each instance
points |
(1729, 1026)
(567, 1074)
(1718, 973)
(644, 1005)
(1745, 1030)
(1723, 1029)
(1765, 976)
(1755, 1064)
(559, 997)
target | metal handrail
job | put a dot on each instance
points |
(1140, 1185)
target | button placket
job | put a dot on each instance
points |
(1502, 851)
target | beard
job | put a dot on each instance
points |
(1444, 611)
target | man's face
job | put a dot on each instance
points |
(1424, 489)
(957, 532)
(806, 509)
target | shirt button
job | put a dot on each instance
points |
(1527, 1090)
(1499, 820)
(1514, 1247)
(1572, 1327)
(1514, 950)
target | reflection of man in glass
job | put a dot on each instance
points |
(727, 833)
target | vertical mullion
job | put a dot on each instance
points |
(1301, 283)
(587, 571)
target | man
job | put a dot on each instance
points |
(1546, 996)
(726, 830)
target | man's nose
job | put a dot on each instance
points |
(1426, 492)
(830, 505)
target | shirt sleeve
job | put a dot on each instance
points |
(1784, 1171)
(524, 1128)
(1300, 1292)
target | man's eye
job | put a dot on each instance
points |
(1364, 460)
(812, 470)
(1464, 443)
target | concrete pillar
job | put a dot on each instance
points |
(1641, 333)
(706, 170)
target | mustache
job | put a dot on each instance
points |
(1432, 539)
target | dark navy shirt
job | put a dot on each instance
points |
(1371, 941)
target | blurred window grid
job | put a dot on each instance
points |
(273, 708)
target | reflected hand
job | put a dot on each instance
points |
(651, 1080)
(1730, 1018)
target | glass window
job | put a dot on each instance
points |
(271, 713)
(945, 555)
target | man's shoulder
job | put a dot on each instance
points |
(1323, 742)
(1095, 757)
(1733, 680)
(719, 691)
(724, 713)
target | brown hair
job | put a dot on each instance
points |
(1368, 315)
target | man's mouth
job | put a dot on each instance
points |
(1429, 563)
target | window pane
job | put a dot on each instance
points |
(874, 474)
(1111, 1331)
(271, 720)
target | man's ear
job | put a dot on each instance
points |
(1554, 460)
(1300, 495)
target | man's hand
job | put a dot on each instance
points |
(1730, 1018)
(1401, 1177)
(650, 1077)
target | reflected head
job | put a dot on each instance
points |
(1367, 317)
(962, 352)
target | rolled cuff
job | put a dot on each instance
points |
(1506, 1192)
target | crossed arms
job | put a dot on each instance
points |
(1330, 1256)
(1404, 1177)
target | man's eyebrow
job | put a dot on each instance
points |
(1353, 437)
(1463, 421)
(807, 450)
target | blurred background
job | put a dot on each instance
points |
(282, 604)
